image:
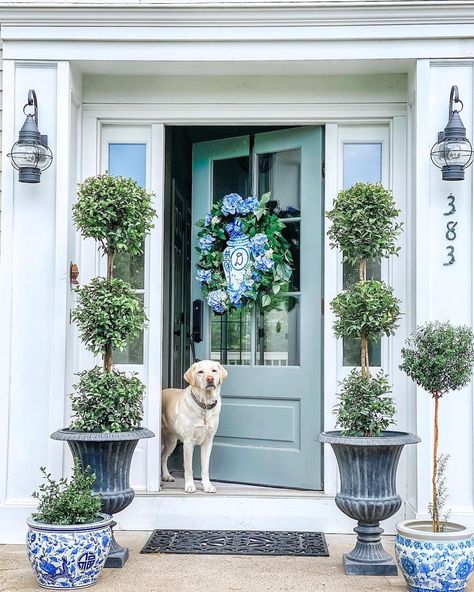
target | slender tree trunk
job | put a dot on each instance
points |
(435, 466)
(364, 342)
(108, 348)
(110, 266)
(364, 356)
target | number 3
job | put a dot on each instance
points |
(452, 259)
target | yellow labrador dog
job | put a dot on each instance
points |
(192, 416)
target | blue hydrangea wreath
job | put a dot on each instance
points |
(269, 270)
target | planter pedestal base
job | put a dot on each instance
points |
(118, 555)
(355, 568)
(368, 557)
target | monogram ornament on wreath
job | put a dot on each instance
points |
(243, 257)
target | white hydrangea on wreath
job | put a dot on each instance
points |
(243, 257)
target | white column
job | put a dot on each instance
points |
(33, 294)
(444, 292)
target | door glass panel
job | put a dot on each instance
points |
(231, 338)
(230, 175)
(278, 334)
(279, 172)
(292, 234)
(362, 163)
(129, 160)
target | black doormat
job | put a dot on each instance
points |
(237, 542)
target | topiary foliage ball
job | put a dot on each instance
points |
(107, 401)
(365, 405)
(108, 314)
(439, 357)
(116, 211)
(369, 308)
(363, 222)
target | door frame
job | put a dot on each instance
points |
(392, 115)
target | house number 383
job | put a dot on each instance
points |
(450, 230)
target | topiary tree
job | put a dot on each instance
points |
(364, 226)
(439, 357)
(116, 212)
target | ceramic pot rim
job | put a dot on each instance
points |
(388, 438)
(105, 520)
(78, 436)
(419, 530)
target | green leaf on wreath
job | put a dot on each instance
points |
(266, 300)
(265, 198)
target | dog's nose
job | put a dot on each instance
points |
(210, 379)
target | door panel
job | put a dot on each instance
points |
(271, 410)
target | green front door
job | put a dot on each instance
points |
(272, 400)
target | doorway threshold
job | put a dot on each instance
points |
(226, 489)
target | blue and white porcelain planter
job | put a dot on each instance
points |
(68, 556)
(434, 561)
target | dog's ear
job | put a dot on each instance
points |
(222, 373)
(189, 375)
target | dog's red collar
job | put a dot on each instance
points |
(205, 406)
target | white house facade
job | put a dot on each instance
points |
(328, 93)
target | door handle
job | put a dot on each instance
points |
(196, 333)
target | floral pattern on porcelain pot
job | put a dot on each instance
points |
(434, 562)
(68, 557)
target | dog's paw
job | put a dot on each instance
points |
(209, 488)
(167, 478)
(191, 488)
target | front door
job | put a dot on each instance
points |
(272, 399)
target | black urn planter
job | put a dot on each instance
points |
(368, 469)
(109, 456)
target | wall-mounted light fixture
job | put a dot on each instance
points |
(452, 153)
(31, 154)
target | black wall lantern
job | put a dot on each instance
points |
(452, 153)
(30, 155)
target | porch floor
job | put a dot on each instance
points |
(176, 488)
(208, 573)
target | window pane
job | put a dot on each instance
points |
(278, 334)
(133, 353)
(279, 172)
(231, 338)
(351, 356)
(351, 272)
(130, 269)
(128, 160)
(230, 175)
(362, 163)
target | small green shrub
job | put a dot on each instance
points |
(363, 222)
(68, 502)
(116, 211)
(108, 314)
(107, 401)
(368, 309)
(365, 405)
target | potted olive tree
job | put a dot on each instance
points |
(108, 404)
(68, 538)
(364, 226)
(436, 554)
